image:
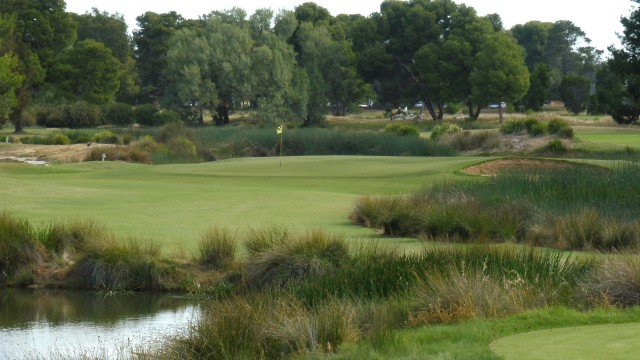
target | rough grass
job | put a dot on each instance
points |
(583, 210)
(218, 248)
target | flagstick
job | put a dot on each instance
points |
(280, 149)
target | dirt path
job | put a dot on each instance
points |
(47, 153)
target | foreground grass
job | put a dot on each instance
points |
(175, 204)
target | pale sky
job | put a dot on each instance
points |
(599, 19)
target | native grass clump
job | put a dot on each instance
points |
(577, 207)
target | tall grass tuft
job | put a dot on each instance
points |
(260, 240)
(217, 248)
(615, 281)
(19, 249)
(306, 256)
(119, 266)
(72, 235)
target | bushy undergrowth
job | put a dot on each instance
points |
(587, 208)
(535, 127)
(240, 142)
(472, 140)
(443, 129)
(402, 129)
(615, 281)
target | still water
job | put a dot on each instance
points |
(45, 324)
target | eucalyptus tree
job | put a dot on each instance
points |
(39, 31)
(151, 45)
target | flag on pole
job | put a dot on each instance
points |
(279, 130)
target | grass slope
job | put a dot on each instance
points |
(175, 204)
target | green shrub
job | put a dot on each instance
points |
(165, 117)
(560, 128)
(535, 127)
(119, 114)
(59, 139)
(81, 115)
(444, 128)
(402, 129)
(105, 137)
(217, 248)
(50, 116)
(143, 114)
(453, 108)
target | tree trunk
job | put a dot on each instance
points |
(440, 112)
(500, 112)
(222, 118)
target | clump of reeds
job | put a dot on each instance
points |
(308, 255)
(614, 281)
(217, 248)
(72, 235)
(118, 266)
(20, 252)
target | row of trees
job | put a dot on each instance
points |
(299, 64)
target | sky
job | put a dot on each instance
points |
(600, 20)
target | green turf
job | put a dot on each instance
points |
(617, 341)
(175, 204)
(606, 137)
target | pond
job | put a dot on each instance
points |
(62, 324)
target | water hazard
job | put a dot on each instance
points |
(46, 324)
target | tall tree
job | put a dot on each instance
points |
(41, 29)
(87, 72)
(111, 30)
(10, 81)
(574, 91)
(151, 42)
(500, 73)
(625, 71)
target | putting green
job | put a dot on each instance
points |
(611, 342)
(175, 204)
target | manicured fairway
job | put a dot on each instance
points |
(175, 204)
(609, 136)
(611, 342)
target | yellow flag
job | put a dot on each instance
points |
(279, 130)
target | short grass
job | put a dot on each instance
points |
(473, 339)
(607, 137)
(175, 204)
(612, 341)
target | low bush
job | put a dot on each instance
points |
(105, 137)
(143, 114)
(217, 248)
(81, 115)
(560, 127)
(444, 128)
(72, 236)
(531, 126)
(165, 117)
(119, 114)
(58, 139)
(402, 129)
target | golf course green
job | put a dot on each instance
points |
(174, 205)
(612, 342)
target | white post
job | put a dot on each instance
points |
(104, 156)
